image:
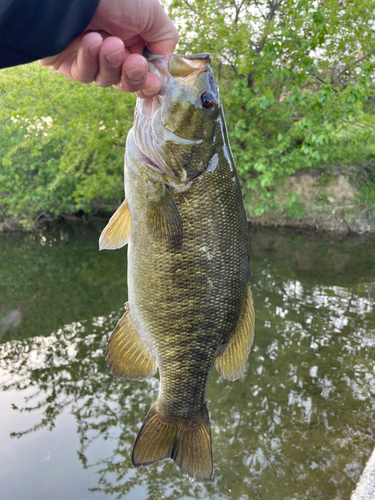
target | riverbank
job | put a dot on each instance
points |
(305, 201)
(333, 204)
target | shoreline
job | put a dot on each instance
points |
(304, 202)
(270, 220)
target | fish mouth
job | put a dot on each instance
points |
(150, 131)
(177, 66)
(151, 134)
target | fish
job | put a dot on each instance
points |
(190, 304)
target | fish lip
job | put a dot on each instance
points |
(204, 56)
(149, 56)
(180, 140)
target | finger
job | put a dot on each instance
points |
(137, 47)
(162, 36)
(56, 61)
(133, 74)
(111, 58)
(151, 88)
(86, 65)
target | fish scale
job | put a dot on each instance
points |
(188, 265)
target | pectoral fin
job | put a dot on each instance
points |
(231, 363)
(126, 355)
(163, 216)
(116, 232)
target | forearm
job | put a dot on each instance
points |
(34, 29)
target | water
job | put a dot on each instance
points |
(298, 426)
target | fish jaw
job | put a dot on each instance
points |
(172, 130)
(152, 139)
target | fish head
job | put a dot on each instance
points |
(175, 130)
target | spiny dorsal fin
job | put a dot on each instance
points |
(116, 232)
(187, 443)
(163, 216)
(126, 355)
(231, 364)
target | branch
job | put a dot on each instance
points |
(238, 8)
(190, 6)
(231, 64)
(319, 79)
(364, 127)
(322, 81)
(273, 5)
(50, 99)
(353, 64)
(261, 13)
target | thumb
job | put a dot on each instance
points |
(162, 36)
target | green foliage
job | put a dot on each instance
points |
(296, 78)
(296, 210)
(366, 198)
(61, 144)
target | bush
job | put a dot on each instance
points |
(61, 144)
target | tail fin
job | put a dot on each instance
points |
(187, 443)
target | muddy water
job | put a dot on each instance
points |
(300, 425)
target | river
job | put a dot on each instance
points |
(298, 426)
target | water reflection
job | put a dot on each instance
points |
(298, 426)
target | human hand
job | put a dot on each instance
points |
(111, 52)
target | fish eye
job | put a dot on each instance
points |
(208, 100)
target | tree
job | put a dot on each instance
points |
(296, 79)
(61, 144)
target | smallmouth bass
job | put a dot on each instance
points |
(190, 302)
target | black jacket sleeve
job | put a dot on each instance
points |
(33, 29)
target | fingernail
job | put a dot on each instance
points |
(116, 58)
(136, 75)
(93, 50)
(151, 91)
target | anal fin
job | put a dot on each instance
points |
(126, 355)
(116, 232)
(231, 364)
(188, 444)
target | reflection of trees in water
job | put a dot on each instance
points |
(299, 425)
